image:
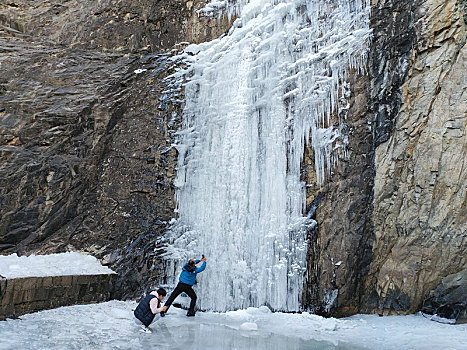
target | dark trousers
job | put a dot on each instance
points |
(179, 289)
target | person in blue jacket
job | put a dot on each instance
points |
(185, 284)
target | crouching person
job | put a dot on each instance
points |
(148, 310)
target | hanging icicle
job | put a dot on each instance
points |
(253, 100)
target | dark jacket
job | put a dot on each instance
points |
(143, 310)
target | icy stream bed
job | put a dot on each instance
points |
(110, 326)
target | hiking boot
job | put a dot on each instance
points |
(190, 313)
(162, 314)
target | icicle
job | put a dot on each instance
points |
(254, 99)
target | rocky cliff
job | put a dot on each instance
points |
(392, 217)
(85, 145)
(420, 188)
(86, 127)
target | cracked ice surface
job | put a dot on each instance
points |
(110, 326)
(253, 100)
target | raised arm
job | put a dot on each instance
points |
(201, 268)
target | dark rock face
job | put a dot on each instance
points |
(143, 26)
(79, 154)
(340, 247)
(449, 299)
(393, 213)
(394, 38)
(419, 208)
(46, 120)
(340, 251)
(85, 142)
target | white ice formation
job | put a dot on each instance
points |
(254, 99)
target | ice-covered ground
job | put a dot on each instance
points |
(63, 264)
(110, 326)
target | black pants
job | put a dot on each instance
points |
(179, 289)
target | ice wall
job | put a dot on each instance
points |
(253, 100)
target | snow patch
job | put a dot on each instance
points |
(249, 326)
(264, 309)
(62, 264)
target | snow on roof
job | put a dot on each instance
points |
(63, 264)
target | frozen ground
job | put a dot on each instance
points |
(63, 264)
(110, 326)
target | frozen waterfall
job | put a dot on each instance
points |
(254, 98)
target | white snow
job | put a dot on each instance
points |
(254, 99)
(62, 264)
(110, 326)
(249, 326)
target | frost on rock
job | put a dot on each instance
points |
(254, 98)
(330, 298)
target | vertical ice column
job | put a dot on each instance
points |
(253, 99)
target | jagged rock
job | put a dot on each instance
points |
(76, 176)
(397, 249)
(339, 252)
(85, 142)
(109, 25)
(449, 299)
(419, 205)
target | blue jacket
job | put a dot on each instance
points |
(190, 277)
